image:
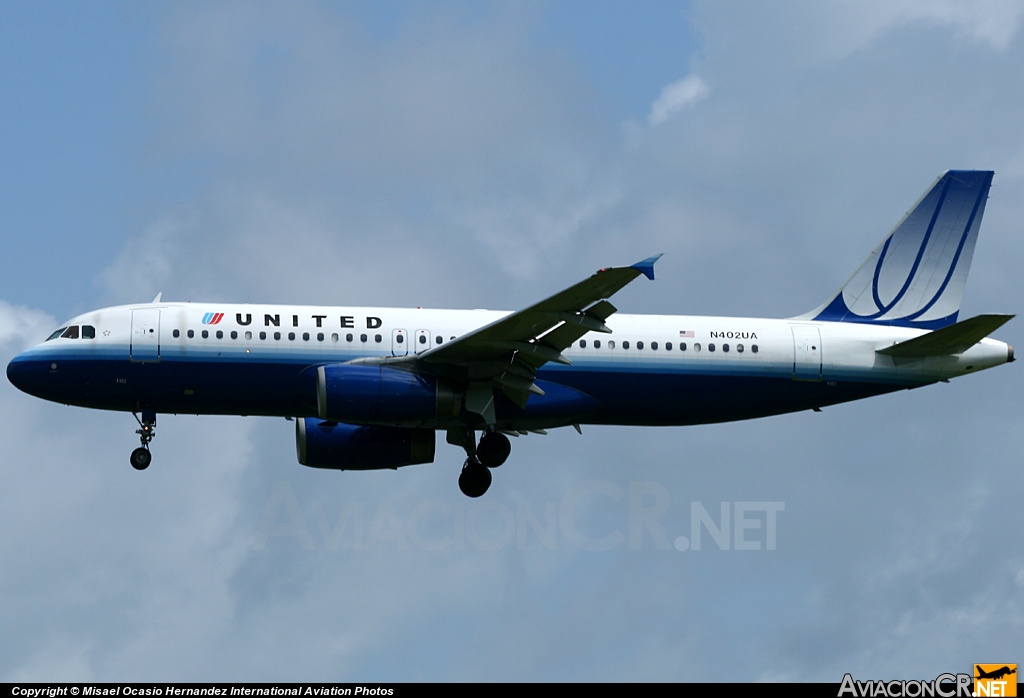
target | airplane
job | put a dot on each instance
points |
(369, 388)
(995, 674)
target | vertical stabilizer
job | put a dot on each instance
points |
(916, 276)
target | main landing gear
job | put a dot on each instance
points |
(492, 451)
(141, 457)
(475, 478)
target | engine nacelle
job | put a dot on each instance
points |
(358, 393)
(339, 446)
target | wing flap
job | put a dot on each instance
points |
(954, 339)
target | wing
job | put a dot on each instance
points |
(506, 354)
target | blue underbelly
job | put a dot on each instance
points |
(256, 386)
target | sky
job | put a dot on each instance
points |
(473, 155)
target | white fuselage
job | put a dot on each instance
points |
(173, 360)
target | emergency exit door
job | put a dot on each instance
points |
(399, 343)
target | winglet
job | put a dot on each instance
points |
(158, 297)
(646, 267)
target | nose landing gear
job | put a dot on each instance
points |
(141, 457)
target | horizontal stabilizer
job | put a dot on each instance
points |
(954, 339)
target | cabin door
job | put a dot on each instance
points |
(806, 353)
(145, 342)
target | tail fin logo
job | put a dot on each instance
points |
(916, 277)
(213, 318)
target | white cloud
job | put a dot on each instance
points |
(675, 97)
(22, 327)
(992, 22)
(145, 265)
(448, 166)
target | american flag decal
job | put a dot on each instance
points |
(685, 333)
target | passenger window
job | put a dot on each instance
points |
(639, 345)
(348, 338)
(362, 338)
(206, 335)
(89, 332)
(696, 346)
(711, 347)
(319, 336)
(583, 344)
(291, 336)
(248, 335)
(263, 335)
(56, 334)
(451, 339)
(682, 346)
(277, 335)
(597, 343)
(423, 339)
(668, 346)
(399, 338)
(753, 348)
(191, 334)
(625, 344)
(611, 343)
(654, 346)
(377, 338)
(725, 347)
(305, 336)
(176, 334)
(438, 339)
(739, 348)
(220, 334)
(234, 335)
(71, 332)
(334, 337)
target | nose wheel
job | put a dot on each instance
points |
(141, 457)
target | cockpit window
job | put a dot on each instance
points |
(56, 334)
(71, 332)
(88, 332)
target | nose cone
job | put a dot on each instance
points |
(23, 373)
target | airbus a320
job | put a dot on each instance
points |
(369, 388)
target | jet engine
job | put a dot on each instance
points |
(339, 446)
(356, 393)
